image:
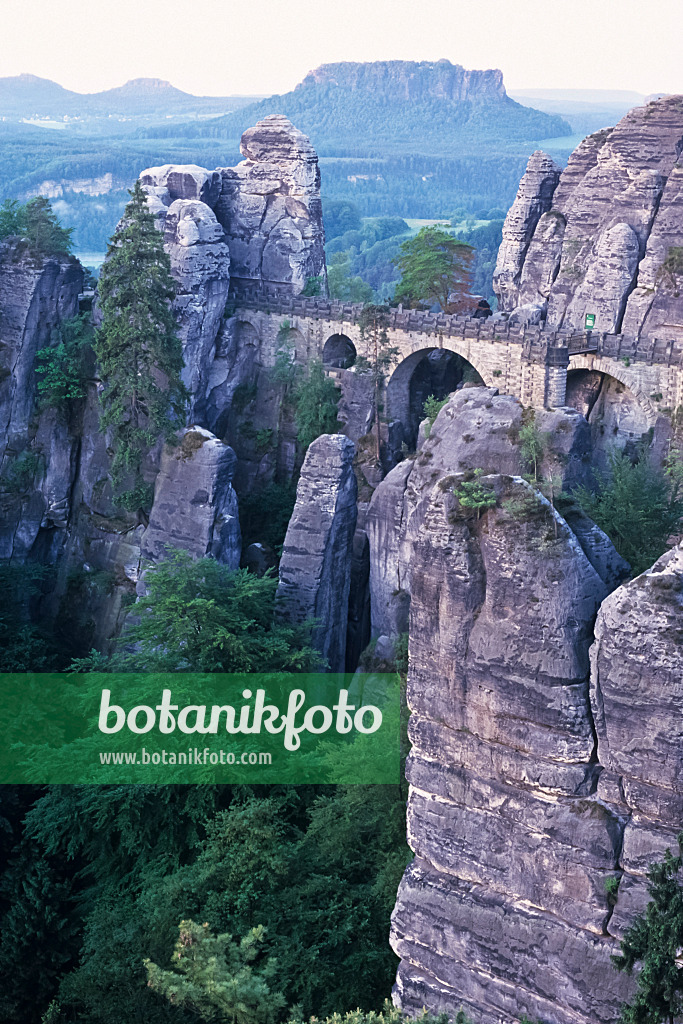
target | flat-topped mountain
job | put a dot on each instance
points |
(410, 80)
(395, 106)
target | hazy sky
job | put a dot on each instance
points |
(222, 47)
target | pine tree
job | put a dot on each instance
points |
(137, 346)
(217, 978)
(655, 941)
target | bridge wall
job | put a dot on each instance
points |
(513, 364)
(528, 362)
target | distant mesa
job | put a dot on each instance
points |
(404, 107)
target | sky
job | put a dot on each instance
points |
(226, 47)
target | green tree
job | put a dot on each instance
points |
(217, 978)
(316, 398)
(654, 941)
(342, 284)
(137, 345)
(473, 494)
(435, 266)
(432, 408)
(533, 444)
(202, 616)
(61, 367)
(36, 223)
(374, 323)
(638, 505)
(24, 646)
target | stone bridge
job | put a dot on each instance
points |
(532, 363)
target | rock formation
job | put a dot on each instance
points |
(608, 239)
(195, 506)
(534, 198)
(476, 429)
(37, 450)
(200, 262)
(315, 570)
(270, 209)
(637, 701)
(531, 783)
(267, 212)
(412, 80)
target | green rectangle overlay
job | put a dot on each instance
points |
(157, 728)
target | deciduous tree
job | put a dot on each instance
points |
(435, 266)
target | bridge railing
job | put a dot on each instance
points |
(534, 339)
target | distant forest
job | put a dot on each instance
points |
(385, 158)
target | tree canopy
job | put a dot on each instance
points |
(638, 505)
(35, 223)
(654, 941)
(203, 616)
(435, 266)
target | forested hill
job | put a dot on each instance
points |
(27, 96)
(392, 107)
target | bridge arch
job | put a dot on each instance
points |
(619, 372)
(339, 352)
(426, 371)
(618, 413)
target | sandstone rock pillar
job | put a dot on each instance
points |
(315, 570)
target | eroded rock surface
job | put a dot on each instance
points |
(476, 429)
(606, 242)
(200, 263)
(195, 506)
(271, 211)
(534, 198)
(637, 698)
(512, 811)
(37, 448)
(315, 570)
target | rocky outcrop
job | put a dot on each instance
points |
(637, 699)
(607, 243)
(270, 209)
(185, 181)
(476, 429)
(37, 448)
(315, 570)
(541, 766)
(410, 80)
(504, 910)
(534, 198)
(254, 226)
(195, 506)
(200, 262)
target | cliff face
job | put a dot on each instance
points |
(315, 571)
(410, 80)
(532, 780)
(608, 239)
(37, 450)
(56, 501)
